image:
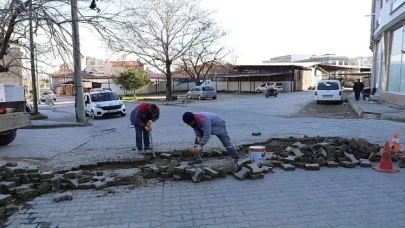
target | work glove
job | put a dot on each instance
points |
(149, 123)
(197, 149)
(148, 128)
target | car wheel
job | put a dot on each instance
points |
(258, 91)
(54, 99)
(93, 115)
(199, 97)
(86, 114)
(214, 98)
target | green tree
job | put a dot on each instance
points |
(133, 79)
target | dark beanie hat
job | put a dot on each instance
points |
(188, 117)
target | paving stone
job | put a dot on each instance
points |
(98, 178)
(177, 153)
(298, 144)
(88, 173)
(20, 188)
(225, 153)
(162, 168)
(288, 167)
(256, 176)
(300, 165)
(243, 163)
(11, 164)
(254, 168)
(63, 196)
(16, 180)
(177, 177)
(269, 155)
(221, 173)
(32, 169)
(276, 163)
(165, 175)
(98, 185)
(172, 165)
(190, 171)
(35, 180)
(207, 154)
(5, 198)
(179, 169)
(312, 167)
(365, 163)
(217, 153)
(73, 174)
(6, 186)
(64, 186)
(84, 179)
(351, 158)
(210, 172)
(372, 156)
(11, 209)
(46, 175)
(332, 164)
(290, 159)
(296, 151)
(26, 193)
(206, 178)
(155, 169)
(44, 187)
(2, 211)
(73, 183)
(14, 169)
(56, 182)
(347, 164)
(99, 173)
(243, 173)
(258, 133)
(197, 175)
(86, 185)
(165, 155)
(34, 175)
(266, 169)
(111, 181)
(402, 163)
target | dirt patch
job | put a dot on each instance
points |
(329, 110)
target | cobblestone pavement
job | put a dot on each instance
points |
(332, 197)
(113, 138)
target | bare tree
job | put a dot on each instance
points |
(160, 32)
(201, 61)
(52, 24)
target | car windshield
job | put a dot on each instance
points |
(100, 97)
(328, 86)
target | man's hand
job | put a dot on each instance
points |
(197, 149)
(149, 123)
(148, 128)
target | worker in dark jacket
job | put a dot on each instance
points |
(357, 88)
(142, 117)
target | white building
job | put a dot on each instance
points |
(388, 46)
(287, 58)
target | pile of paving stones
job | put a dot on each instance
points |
(331, 153)
(188, 153)
(197, 173)
(20, 182)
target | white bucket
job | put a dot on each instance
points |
(255, 154)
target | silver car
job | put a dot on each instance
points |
(202, 92)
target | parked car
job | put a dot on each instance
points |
(202, 92)
(102, 103)
(263, 87)
(329, 91)
(47, 94)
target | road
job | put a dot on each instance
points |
(339, 197)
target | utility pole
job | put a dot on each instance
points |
(32, 57)
(78, 81)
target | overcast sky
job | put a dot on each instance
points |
(261, 29)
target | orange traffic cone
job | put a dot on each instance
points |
(386, 161)
(395, 142)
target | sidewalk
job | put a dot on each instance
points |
(377, 109)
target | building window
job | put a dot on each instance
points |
(396, 4)
(333, 62)
(396, 80)
(340, 62)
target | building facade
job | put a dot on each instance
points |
(116, 68)
(287, 58)
(387, 42)
(92, 65)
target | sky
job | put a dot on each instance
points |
(261, 29)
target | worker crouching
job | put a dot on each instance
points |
(142, 117)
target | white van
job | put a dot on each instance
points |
(263, 87)
(329, 90)
(102, 103)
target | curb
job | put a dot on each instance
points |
(52, 126)
(392, 118)
(356, 109)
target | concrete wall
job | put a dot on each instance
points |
(385, 17)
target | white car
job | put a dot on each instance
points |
(264, 86)
(103, 103)
(47, 94)
(329, 91)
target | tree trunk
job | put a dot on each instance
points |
(197, 80)
(169, 94)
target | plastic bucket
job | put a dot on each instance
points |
(255, 154)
